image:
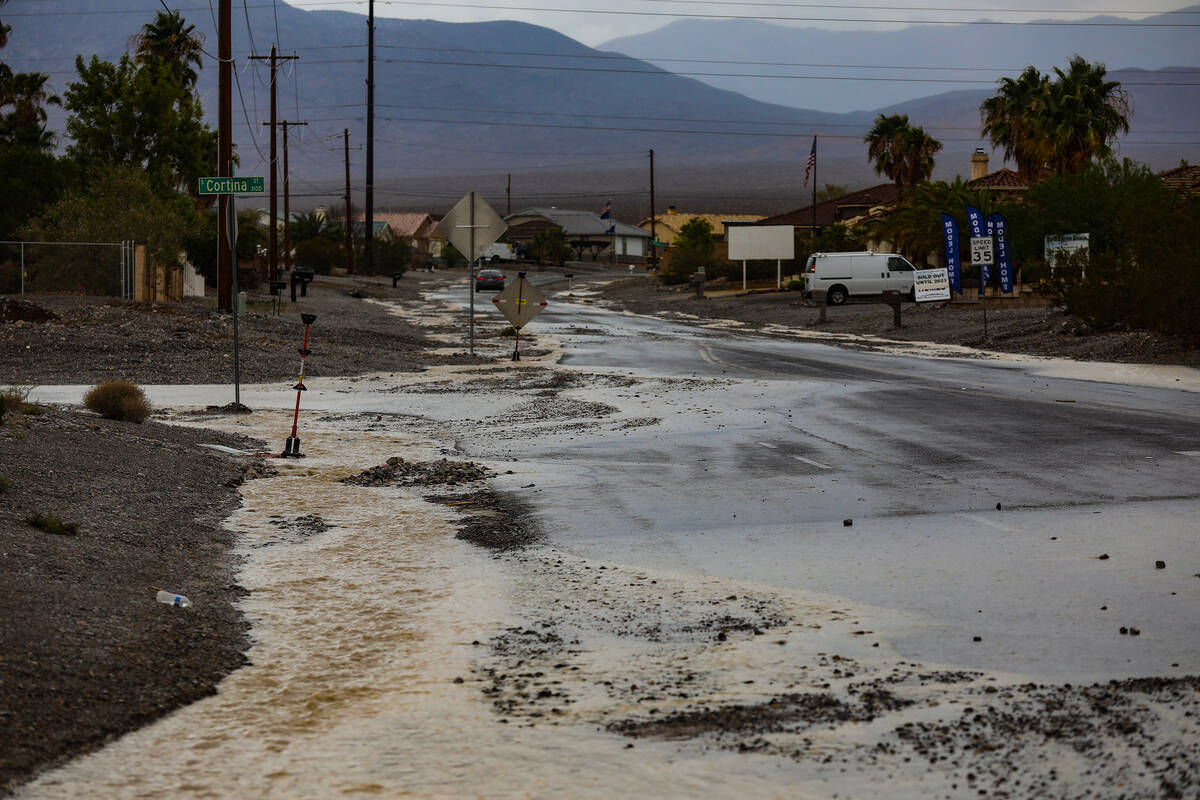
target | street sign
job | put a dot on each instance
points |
(931, 284)
(982, 250)
(520, 302)
(658, 244)
(238, 185)
(460, 222)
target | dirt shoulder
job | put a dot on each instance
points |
(1045, 332)
(69, 339)
(87, 653)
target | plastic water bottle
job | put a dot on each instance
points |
(173, 599)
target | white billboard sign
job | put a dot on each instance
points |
(1068, 243)
(761, 242)
(931, 284)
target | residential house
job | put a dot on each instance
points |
(414, 229)
(848, 209)
(1185, 177)
(587, 232)
(667, 226)
(1003, 184)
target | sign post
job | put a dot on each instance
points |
(983, 255)
(231, 186)
(471, 226)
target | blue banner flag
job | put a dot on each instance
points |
(607, 212)
(1003, 259)
(975, 219)
(950, 235)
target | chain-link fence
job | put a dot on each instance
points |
(93, 268)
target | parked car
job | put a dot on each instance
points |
(842, 275)
(489, 279)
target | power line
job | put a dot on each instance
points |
(768, 17)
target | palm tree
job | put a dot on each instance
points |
(310, 226)
(172, 41)
(914, 227)
(883, 143)
(25, 125)
(1084, 114)
(901, 151)
(1062, 123)
(1008, 120)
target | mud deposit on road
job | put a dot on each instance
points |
(653, 658)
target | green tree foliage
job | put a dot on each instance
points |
(1142, 268)
(391, 255)
(321, 254)
(27, 95)
(1008, 120)
(551, 246)
(901, 151)
(1059, 123)
(139, 116)
(171, 41)
(200, 244)
(311, 226)
(113, 205)
(693, 248)
(914, 227)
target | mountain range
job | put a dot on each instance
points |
(463, 106)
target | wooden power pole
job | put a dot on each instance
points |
(225, 255)
(273, 231)
(287, 211)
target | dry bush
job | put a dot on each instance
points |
(120, 400)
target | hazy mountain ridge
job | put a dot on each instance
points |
(1146, 46)
(570, 135)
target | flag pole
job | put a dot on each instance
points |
(814, 195)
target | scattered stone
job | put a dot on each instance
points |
(976, 638)
(398, 472)
(1103, 556)
(847, 523)
(1124, 630)
(1160, 565)
(997, 506)
(1135, 632)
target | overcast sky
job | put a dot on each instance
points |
(595, 21)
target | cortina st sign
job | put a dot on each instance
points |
(247, 185)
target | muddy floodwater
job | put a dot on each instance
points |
(498, 613)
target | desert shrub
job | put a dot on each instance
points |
(120, 400)
(794, 286)
(15, 400)
(53, 523)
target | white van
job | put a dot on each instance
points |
(842, 275)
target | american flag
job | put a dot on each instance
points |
(812, 161)
(607, 212)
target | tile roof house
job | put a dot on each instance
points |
(852, 206)
(585, 230)
(667, 226)
(414, 229)
(1185, 177)
(1003, 182)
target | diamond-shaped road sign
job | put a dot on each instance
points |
(472, 213)
(520, 302)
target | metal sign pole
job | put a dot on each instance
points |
(471, 270)
(231, 235)
(520, 303)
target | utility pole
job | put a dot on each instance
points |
(225, 255)
(653, 236)
(273, 233)
(508, 197)
(349, 215)
(287, 211)
(369, 242)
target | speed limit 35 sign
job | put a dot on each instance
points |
(982, 250)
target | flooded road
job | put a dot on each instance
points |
(696, 618)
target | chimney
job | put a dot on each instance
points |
(671, 210)
(979, 163)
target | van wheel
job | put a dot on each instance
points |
(836, 295)
(912, 295)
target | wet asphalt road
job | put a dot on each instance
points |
(982, 494)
